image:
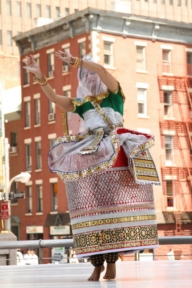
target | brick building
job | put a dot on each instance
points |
(152, 60)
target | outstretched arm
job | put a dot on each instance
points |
(104, 75)
(62, 101)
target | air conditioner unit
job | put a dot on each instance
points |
(51, 116)
(51, 73)
(13, 150)
(65, 68)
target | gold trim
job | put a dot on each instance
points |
(117, 220)
(117, 209)
(89, 98)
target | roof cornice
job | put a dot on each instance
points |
(90, 19)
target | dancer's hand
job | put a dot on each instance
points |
(32, 66)
(64, 56)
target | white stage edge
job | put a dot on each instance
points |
(153, 274)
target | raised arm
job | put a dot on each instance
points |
(104, 75)
(62, 101)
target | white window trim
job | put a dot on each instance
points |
(144, 130)
(169, 132)
(142, 85)
(81, 40)
(49, 51)
(52, 136)
(170, 177)
(166, 47)
(67, 87)
(36, 55)
(67, 45)
(53, 180)
(36, 96)
(167, 88)
(27, 98)
(28, 141)
(140, 43)
(144, 115)
(188, 49)
(108, 39)
(37, 139)
(29, 183)
(39, 182)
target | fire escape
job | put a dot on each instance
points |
(182, 172)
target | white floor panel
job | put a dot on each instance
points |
(156, 274)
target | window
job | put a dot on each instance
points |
(26, 77)
(189, 63)
(178, 2)
(169, 193)
(14, 188)
(166, 61)
(82, 49)
(51, 142)
(36, 57)
(57, 12)
(140, 58)
(18, 8)
(39, 198)
(27, 114)
(142, 101)
(13, 142)
(170, 2)
(169, 147)
(48, 11)
(38, 155)
(8, 7)
(167, 103)
(186, 3)
(66, 11)
(108, 53)
(51, 107)
(28, 157)
(37, 111)
(162, 2)
(1, 42)
(67, 93)
(50, 64)
(9, 38)
(29, 199)
(54, 197)
(66, 66)
(28, 10)
(38, 10)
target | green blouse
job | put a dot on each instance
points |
(114, 100)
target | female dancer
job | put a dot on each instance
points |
(107, 170)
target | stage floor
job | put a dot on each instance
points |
(154, 274)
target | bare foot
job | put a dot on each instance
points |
(96, 273)
(110, 272)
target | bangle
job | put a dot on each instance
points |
(76, 62)
(42, 81)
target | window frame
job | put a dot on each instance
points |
(28, 156)
(143, 60)
(54, 197)
(29, 199)
(144, 102)
(109, 53)
(38, 155)
(39, 191)
(37, 105)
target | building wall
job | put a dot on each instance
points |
(182, 13)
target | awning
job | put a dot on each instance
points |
(59, 219)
